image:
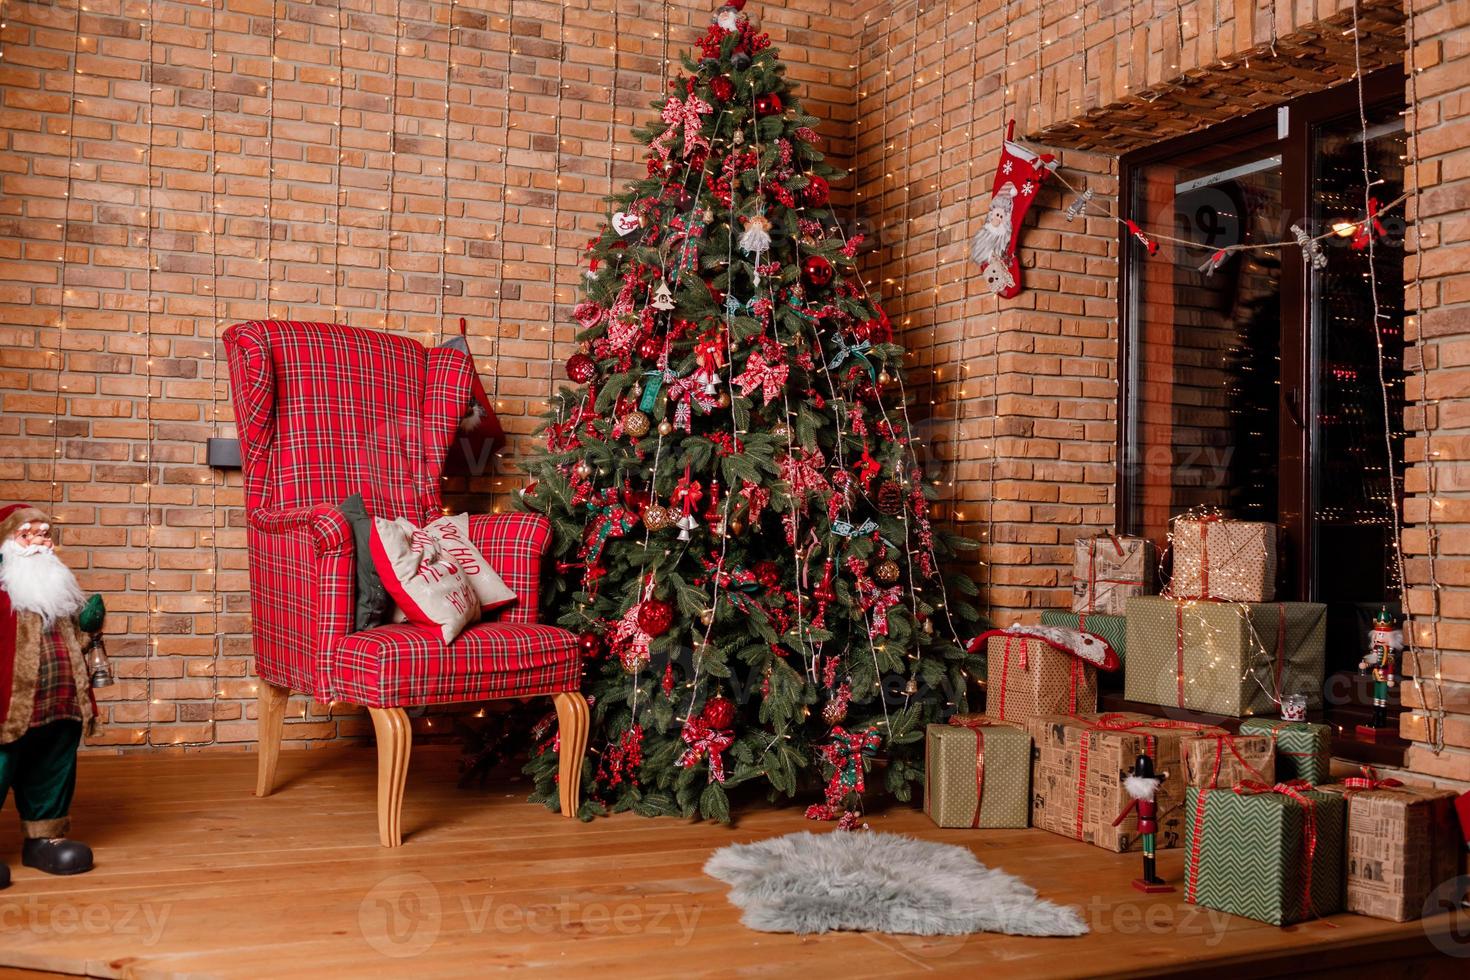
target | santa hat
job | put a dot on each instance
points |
(14, 516)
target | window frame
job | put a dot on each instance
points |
(1298, 365)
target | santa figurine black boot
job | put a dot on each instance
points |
(56, 855)
(4, 876)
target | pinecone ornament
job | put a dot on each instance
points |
(890, 499)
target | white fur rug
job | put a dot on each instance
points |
(876, 882)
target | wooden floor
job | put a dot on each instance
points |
(195, 877)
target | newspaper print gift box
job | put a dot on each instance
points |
(1402, 843)
(1077, 776)
(1219, 559)
(977, 773)
(1109, 569)
(1212, 761)
(1038, 670)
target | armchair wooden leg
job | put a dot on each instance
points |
(574, 720)
(272, 712)
(395, 738)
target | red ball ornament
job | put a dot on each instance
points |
(722, 87)
(581, 368)
(719, 712)
(590, 644)
(649, 348)
(655, 617)
(768, 105)
(816, 271)
(767, 573)
(817, 192)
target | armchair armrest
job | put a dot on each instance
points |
(514, 545)
(331, 535)
(302, 592)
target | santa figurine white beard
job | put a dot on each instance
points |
(993, 240)
(39, 582)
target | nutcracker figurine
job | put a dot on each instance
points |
(1382, 661)
(1143, 786)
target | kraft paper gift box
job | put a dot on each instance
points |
(1108, 569)
(1224, 658)
(1114, 629)
(1275, 855)
(1402, 843)
(1303, 748)
(1212, 761)
(977, 773)
(1077, 776)
(1219, 559)
(1028, 675)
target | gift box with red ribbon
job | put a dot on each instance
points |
(977, 773)
(1216, 558)
(1402, 842)
(1039, 670)
(1270, 852)
(1224, 658)
(1109, 569)
(1211, 761)
(1078, 770)
(1303, 748)
(1114, 629)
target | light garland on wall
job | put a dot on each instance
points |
(270, 161)
(337, 179)
(444, 164)
(214, 477)
(390, 103)
(500, 324)
(58, 356)
(561, 60)
(150, 600)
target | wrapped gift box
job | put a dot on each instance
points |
(1402, 843)
(1114, 629)
(1026, 675)
(1275, 856)
(1218, 559)
(1077, 776)
(1212, 761)
(977, 773)
(1108, 569)
(1224, 658)
(1303, 749)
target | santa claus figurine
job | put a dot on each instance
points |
(45, 693)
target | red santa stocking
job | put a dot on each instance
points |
(1017, 179)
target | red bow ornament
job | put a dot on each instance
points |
(705, 742)
(682, 114)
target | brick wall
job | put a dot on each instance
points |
(275, 119)
(1019, 397)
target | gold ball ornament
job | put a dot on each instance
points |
(707, 617)
(736, 527)
(636, 424)
(781, 430)
(666, 428)
(656, 517)
(912, 687)
(834, 712)
(583, 469)
(886, 571)
(724, 399)
(884, 378)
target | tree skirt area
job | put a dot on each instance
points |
(877, 882)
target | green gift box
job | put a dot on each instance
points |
(1275, 856)
(1303, 749)
(977, 773)
(1224, 658)
(1114, 629)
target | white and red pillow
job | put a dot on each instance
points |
(453, 536)
(427, 584)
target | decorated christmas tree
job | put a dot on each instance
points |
(742, 531)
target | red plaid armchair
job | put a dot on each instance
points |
(325, 411)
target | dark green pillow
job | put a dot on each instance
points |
(373, 602)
